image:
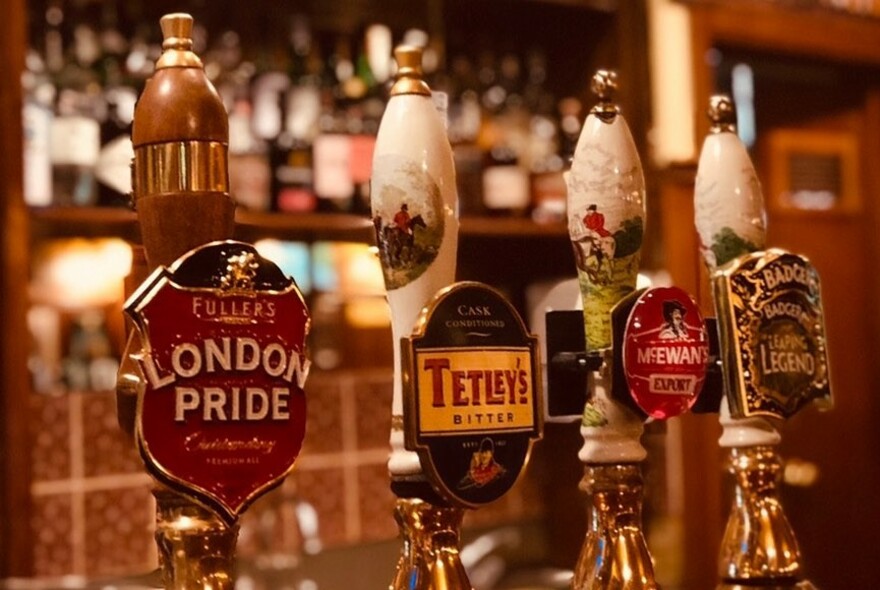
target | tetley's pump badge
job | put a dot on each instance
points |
(222, 414)
(772, 334)
(473, 405)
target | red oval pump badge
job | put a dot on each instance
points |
(665, 352)
(221, 417)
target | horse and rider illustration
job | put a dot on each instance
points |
(597, 247)
(397, 239)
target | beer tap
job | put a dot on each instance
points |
(413, 188)
(768, 306)
(647, 350)
(606, 195)
(466, 405)
(211, 382)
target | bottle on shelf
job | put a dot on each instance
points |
(75, 148)
(249, 170)
(505, 175)
(37, 115)
(331, 150)
(75, 136)
(291, 153)
(113, 168)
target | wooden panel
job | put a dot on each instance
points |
(841, 443)
(819, 33)
(15, 471)
(834, 517)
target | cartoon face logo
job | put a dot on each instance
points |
(484, 469)
(674, 327)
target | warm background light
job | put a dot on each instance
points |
(80, 274)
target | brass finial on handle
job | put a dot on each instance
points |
(177, 31)
(409, 72)
(177, 42)
(604, 86)
(722, 113)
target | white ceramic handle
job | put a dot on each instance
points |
(606, 220)
(415, 213)
(731, 221)
(728, 203)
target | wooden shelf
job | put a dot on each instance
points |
(306, 227)
(90, 222)
(65, 222)
(505, 227)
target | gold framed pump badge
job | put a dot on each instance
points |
(473, 402)
(772, 334)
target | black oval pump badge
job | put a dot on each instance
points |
(473, 402)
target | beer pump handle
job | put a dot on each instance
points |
(180, 188)
(180, 183)
(414, 205)
(758, 548)
(728, 203)
(731, 221)
(180, 132)
(606, 208)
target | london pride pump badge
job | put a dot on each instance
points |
(221, 417)
(473, 405)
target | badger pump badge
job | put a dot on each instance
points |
(772, 334)
(222, 414)
(473, 406)
(665, 352)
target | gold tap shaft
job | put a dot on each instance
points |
(196, 549)
(615, 554)
(429, 559)
(759, 546)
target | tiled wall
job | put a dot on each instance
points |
(93, 511)
(92, 507)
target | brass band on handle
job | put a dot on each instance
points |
(180, 167)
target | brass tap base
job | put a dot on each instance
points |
(196, 549)
(429, 559)
(615, 554)
(802, 585)
(759, 546)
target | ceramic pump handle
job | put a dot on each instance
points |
(606, 219)
(415, 214)
(180, 132)
(728, 204)
(606, 211)
(731, 222)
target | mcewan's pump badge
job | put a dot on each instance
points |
(222, 414)
(665, 352)
(473, 406)
(772, 334)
